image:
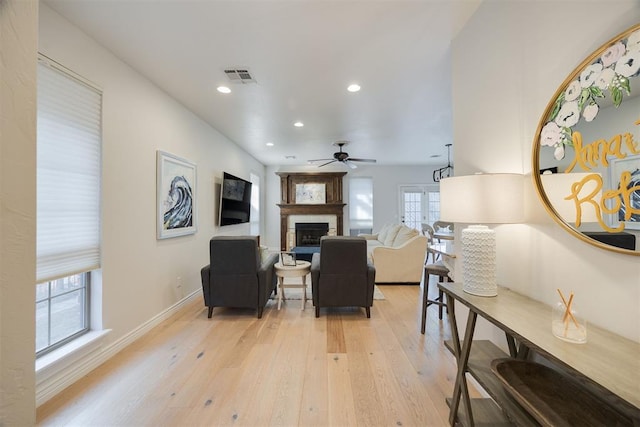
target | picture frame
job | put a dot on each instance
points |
(617, 167)
(311, 194)
(176, 196)
(288, 259)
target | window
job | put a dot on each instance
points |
(433, 210)
(360, 206)
(61, 310)
(255, 204)
(68, 203)
(412, 209)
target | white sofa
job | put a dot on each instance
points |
(398, 253)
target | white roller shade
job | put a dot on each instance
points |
(361, 202)
(68, 175)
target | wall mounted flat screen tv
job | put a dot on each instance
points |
(235, 200)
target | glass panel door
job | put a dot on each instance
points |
(419, 203)
(412, 209)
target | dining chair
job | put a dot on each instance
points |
(428, 231)
(442, 226)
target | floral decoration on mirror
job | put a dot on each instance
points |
(610, 72)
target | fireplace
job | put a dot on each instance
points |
(293, 211)
(309, 233)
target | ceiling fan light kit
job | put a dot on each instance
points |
(342, 157)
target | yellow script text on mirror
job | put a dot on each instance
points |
(610, 202)
(588, 156)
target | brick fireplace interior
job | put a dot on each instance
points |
(309, 233)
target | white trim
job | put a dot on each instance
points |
(74, 361)
(52, 63)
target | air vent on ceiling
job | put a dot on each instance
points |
(239, 75)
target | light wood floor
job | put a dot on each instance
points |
(286, 369)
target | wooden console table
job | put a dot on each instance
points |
(608, 365)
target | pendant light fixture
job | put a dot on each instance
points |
(444, 172)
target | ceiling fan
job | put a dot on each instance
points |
(342, 156)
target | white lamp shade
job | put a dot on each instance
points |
(483, 199)
(558, 186)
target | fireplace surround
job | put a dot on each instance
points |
(331, 211)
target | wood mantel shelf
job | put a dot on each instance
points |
(288, 206)
(313, 209)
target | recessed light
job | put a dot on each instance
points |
(290, 157)
(224, 89)
(269, 144)
(353, 88)
(298, 124)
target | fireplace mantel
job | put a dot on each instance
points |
(288, 206)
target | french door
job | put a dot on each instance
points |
(419, 203)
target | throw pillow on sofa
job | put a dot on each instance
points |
(404, 235)
(391, 235)
(382, 234)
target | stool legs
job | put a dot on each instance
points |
(425, 291)
(426, 302)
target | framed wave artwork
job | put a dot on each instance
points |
(176, 196)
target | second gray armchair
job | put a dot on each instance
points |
(341, 275)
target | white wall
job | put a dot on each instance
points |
(507, 63)
(504, 72)
(139, 273)
(18, 44)
(386, 181)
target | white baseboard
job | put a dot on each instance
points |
(75, 364)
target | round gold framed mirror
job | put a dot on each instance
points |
(586, 151)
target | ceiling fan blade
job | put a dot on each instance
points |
(325, 164)
(351, 165)
(318, 160)
(362, 160)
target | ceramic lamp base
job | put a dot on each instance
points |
(479, 255)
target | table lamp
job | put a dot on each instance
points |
(481, 199)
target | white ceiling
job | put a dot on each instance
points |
(303, 55)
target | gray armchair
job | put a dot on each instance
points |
(236, 276)
(341, 275)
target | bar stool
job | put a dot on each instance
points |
(435, 269)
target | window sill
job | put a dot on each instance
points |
(53, 363)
